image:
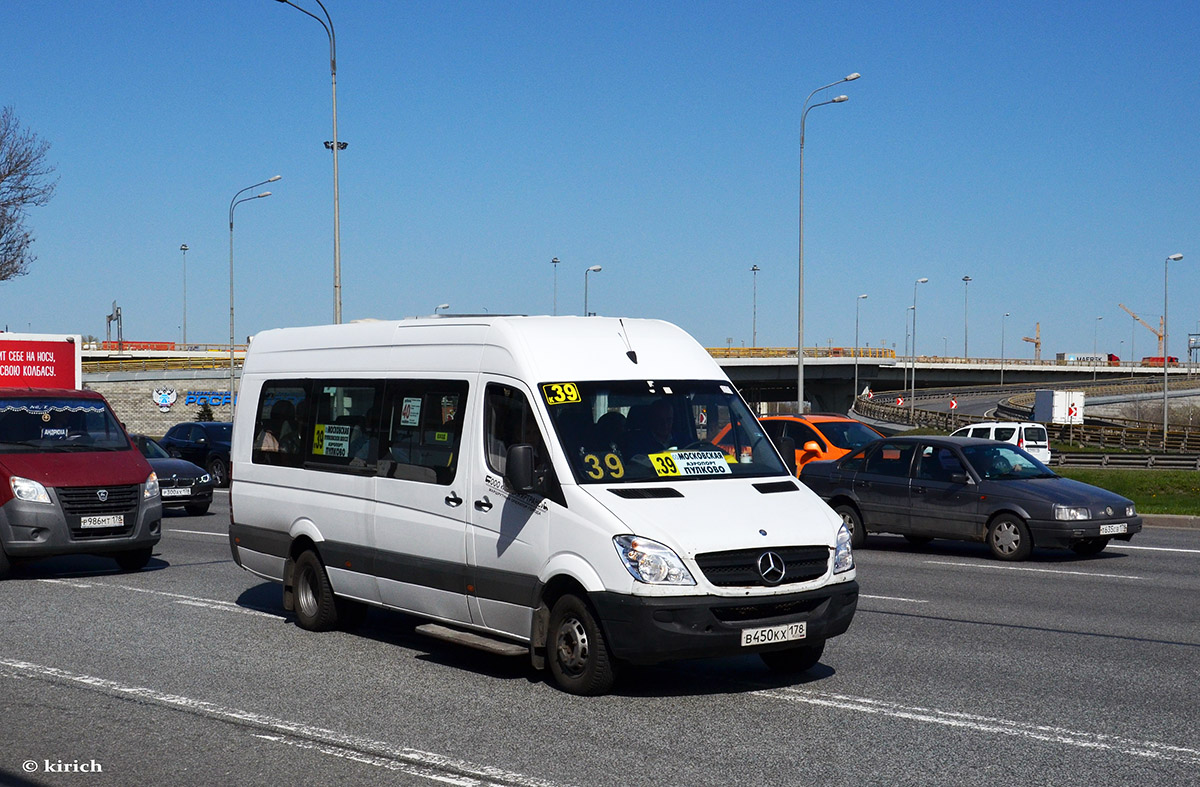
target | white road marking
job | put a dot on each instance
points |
(226, 607)
(198, 533)
(1153, 549)
(984, 724)
(1035, 570)
(179, 598)
(379, 753)
(895, 598)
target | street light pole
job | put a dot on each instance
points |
(1166, 352)
(800, 289)
(1095, 346)
(1003, 322)
(593, 269)
(184, 249)
(554, 262)
(965, 280)
(233, 203)
(335, 146)
(857, 302)
(913, 358)
(754, 269)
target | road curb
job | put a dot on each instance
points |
(1171, 520)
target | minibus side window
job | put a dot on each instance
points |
(345, 422)
(279, 435)
(421, 429)
(509, 421)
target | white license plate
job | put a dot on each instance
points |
(1112, 530)
(116, 520)
(177, 491)
(769, 634)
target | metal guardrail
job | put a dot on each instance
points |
(1154, 461)
(809, 352)
(159, 364)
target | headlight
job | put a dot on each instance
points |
(1129, 511)
(151, 486)
(205, 479)
(843, 556)
(1071, 513)
(651, 562)
(25, 489)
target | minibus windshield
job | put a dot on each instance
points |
(58, 424)
(657, 430)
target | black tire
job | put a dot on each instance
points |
(316, 607)
(134, 560)
(919, 541)
(794, 660)
(1090, 546)
(197, 509)
(219, 470)
(853, 520)
(575, 647)
(1008, 538)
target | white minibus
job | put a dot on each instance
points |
(531, 485)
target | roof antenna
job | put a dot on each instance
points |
(629, 351)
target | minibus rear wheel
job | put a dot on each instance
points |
(316, 609)
(576, 649)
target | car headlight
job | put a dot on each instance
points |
(151, 489)
(1129, 510)
(26, 489)
(1071, 513)
(651, 562)
(843, 556)
(206, 479)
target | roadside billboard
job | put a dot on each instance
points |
(35, 360)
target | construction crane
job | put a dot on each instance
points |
(1036, 342)
(1158, 333)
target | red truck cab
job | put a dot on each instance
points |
(71, 481)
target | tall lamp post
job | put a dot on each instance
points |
(857, 302)
(233, 203)
(1166, 352)
(1095, 346)
(184, 249)
(800, 290)
(966, 280)
(593, 269)
(335, 146)
(1003, 322)
(754, 269)
(554, 262)
(913, 358)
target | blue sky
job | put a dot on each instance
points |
(1048, 150)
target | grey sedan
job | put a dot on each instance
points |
(971, 489)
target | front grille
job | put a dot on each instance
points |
(739, 568)
(765, 611)
(85, 500)
(169, 483)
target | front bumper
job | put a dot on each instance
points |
(1060, 534)
(648, 630)
(42, 530)
(201, 495)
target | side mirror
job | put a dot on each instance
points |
(959, 478)
(787, 447)
(518, 468)
(812, 447)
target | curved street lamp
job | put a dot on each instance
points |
(1003, 323)
(233, 203)
(184, 249)
(913, 358)
(800, 289)
(593, 269)
(1166, 353)
(857, 302)
(554, 262)
(754, 269)
(965, 280)
(335, 146)
(439, 307)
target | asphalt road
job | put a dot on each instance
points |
(958, 669)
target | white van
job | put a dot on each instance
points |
(535, 485)
(1029, 436)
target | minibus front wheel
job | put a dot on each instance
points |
(575, 647)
